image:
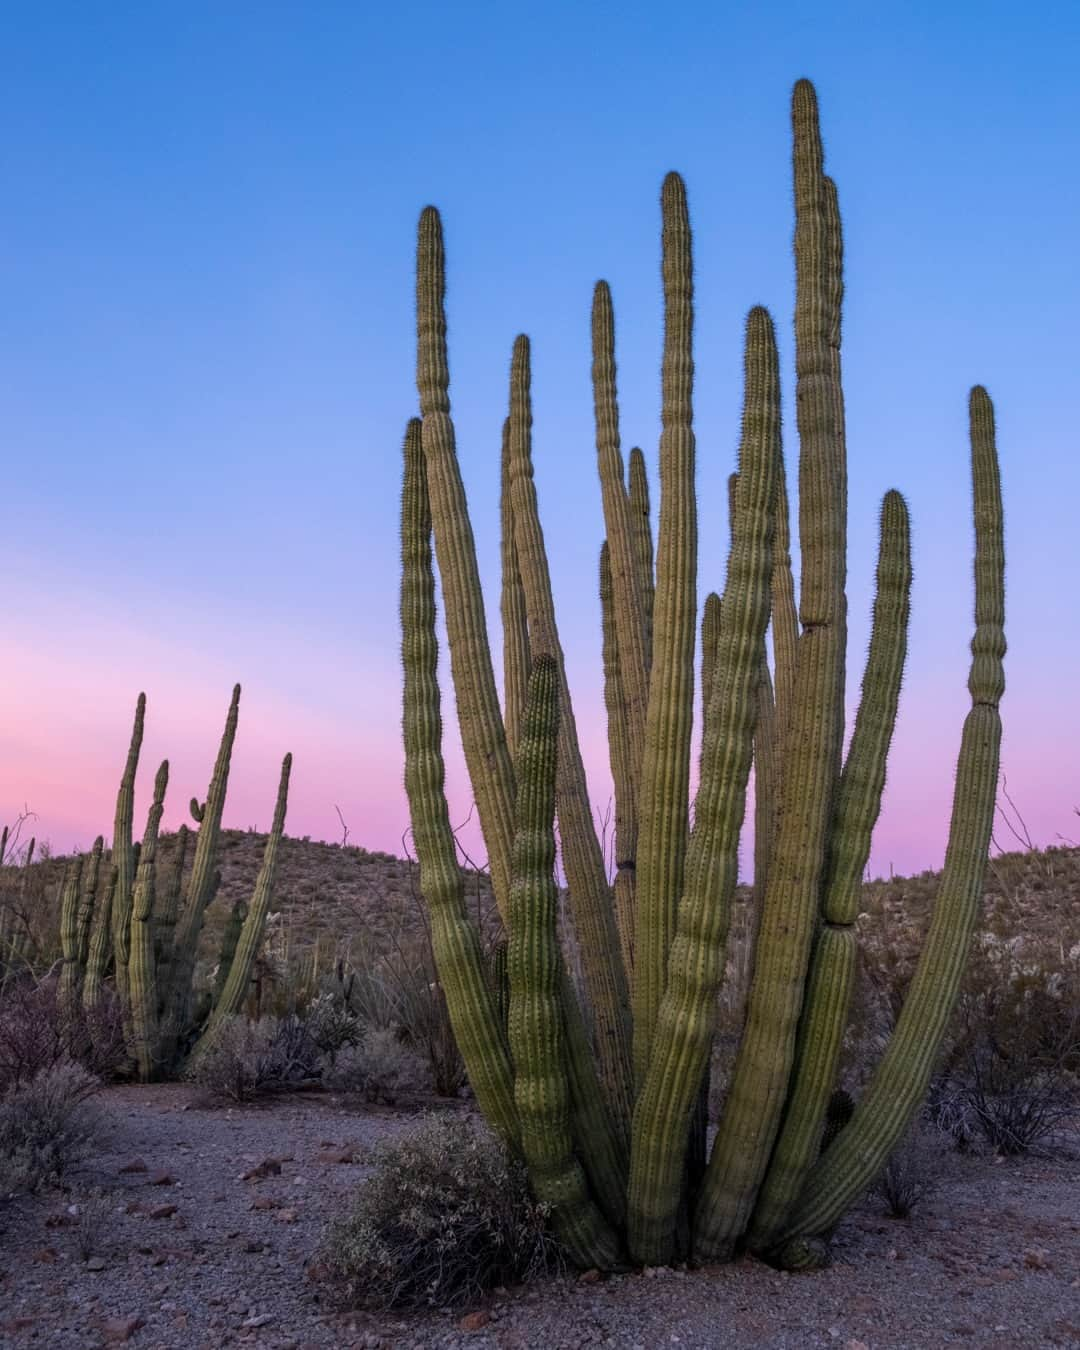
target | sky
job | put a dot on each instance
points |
(206, 358)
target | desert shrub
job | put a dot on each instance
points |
(89, 1211)
(247, 1060)
(331, 1024)
(38, 1032)
(1012, 1073)
(379, 1067)
(912, 1172)
(46, 1125)
(444, 1216)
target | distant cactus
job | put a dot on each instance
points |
(615, 1145)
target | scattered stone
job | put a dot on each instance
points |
(329, 1156)
(135, 1165)
(262, 1320)
(95, 1263)
(287, 1215)
(1037, 1258)
(475, 1321)
(589, 1276)
(163, 1211)
(118, 1329)
(162, 1179)
(269, 1167)
(45, 1256)
(264, 1202)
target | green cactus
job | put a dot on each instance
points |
(142, 967)
(238, 964)
(70, 972)
(123, 855)
(541, 1091)
(787, 1159)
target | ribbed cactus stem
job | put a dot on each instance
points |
(536, 1020)
(169, 907)
(478, 1027)
(123, 857)
(858, 804)
(88, 901)
(142, 968)
(516, 656)
(590, 895)
(178, 1002)
(641, 524)
(789, 912)
(229, 941)
(665, 774)
(249, 941)
(483, 735)
(902, 1077)
(69, 932)
(688, 1012)
(622, 553)
(101, 945)
(619, 761)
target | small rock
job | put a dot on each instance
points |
(162, 1179)
(589, 1276)
(264, 1202)
(262, 1320)
(269, 1167)
(162, 1211)
(1037, 1258)
(134, 1207)
(117, 1329)
(135, 1165)
(1005, 1274)
(335, 1155)
(45, 1256)
(287, 1215)
(475, 1321)
(95, 1263)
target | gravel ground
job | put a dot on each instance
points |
(185, 1252)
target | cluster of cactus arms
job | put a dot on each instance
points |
(601, 1090)
(127, 917)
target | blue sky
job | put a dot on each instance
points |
(206, 351)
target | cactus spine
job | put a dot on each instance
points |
(770, 1185)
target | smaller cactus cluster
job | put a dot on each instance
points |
(127, 917)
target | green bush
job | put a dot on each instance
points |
(444, 1216)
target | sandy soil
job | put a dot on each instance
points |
(184, 1252)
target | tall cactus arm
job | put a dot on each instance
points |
(88, 902)
(619, 760)
(590, 895)
(123, 857)
(902, 1077)
(250, 937)
(142, 968)
(474, 1013)
(69, 931)
(169, 908)
(665, 773)
(515, 624)
(688, 1012)
(101, 946)
(178, 1003)
(483, 734)
(858, 803)
(641, 524)
(622, 554)
(535, 1024)
(763, 1065)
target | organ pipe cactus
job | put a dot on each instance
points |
(151, 956)
(639, 1194)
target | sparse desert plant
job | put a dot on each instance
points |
(444, 1216)
(46, 1125)
(1013, 1070)
(39, 1030)
(248, 1060)
(90, 1208)
(379, 1067)
(912, 1172)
